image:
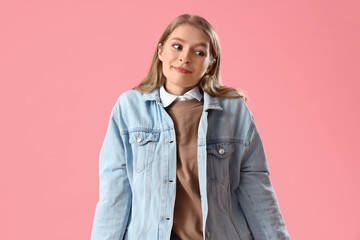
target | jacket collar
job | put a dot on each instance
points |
(209, 101)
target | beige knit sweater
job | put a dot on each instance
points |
(187, 212)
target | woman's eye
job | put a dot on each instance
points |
(201, 53)
(177, 46)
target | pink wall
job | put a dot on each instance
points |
(64, 63)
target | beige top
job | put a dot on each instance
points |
(187, 222)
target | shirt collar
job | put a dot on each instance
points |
(167, 98)
(210, 102)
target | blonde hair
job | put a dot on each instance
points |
(210, 82)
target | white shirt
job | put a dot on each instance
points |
(167, 98)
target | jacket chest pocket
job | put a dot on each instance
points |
(143, 147)
(218, 158)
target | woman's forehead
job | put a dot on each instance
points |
(191, 35)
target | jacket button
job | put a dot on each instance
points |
(138, 139)
(221, 151)
(208, 235)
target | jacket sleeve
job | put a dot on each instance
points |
(113, 209)
(256, 194)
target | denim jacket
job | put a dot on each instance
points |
(137, 167)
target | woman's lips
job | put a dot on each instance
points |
(182, 70)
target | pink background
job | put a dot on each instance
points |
(63, 64)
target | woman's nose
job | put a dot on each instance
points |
(185, 57)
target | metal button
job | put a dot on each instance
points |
(208, 234)
(138, 139)
(221, 151)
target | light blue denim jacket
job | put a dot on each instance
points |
(138, 173)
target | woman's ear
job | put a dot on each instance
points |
(160, 51)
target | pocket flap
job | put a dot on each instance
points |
(141, 138)
(220, 150)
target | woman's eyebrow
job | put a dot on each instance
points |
(182, 40)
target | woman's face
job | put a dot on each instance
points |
(185, 58)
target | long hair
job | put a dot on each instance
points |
(210, 82)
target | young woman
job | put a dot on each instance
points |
(182, 157)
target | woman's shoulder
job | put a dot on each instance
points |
(131, 96)
(237, 104)
(233, 97)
